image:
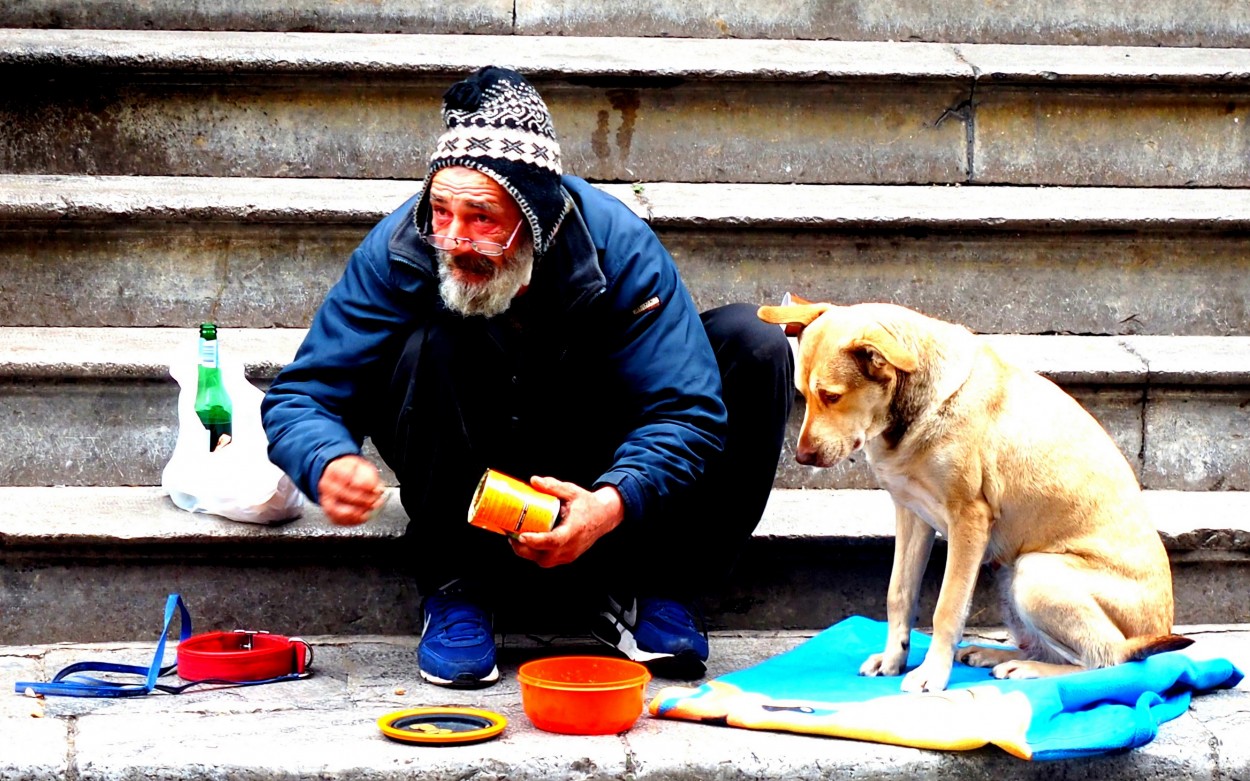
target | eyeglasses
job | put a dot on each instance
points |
(488, 248)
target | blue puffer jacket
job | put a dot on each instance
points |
(606, 275)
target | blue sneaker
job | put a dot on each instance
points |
(457, 646)
(661, 633)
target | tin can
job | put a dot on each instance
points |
(506, 505)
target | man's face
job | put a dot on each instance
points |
(467, 204)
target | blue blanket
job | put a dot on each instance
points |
(816, 689)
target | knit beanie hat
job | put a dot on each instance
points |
(499, 125)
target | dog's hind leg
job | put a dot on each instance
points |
(986, 656)
(1025, 636)
(1064, 615)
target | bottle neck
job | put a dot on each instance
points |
(208, 353)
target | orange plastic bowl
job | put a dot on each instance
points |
(583, 695)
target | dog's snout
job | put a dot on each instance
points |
(805, 456)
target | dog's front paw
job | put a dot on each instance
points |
(928, 677)
(880, 664)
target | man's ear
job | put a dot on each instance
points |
(794, 317)
(879, 346)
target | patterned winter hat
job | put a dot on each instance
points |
(498, 124)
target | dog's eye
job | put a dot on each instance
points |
(830, 398)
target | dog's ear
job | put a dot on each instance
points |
(879, 346)
(795, 317)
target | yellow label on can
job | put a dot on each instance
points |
(505, 505)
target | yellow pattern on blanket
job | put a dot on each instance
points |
(953, 720)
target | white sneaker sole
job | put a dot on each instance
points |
(462, 683)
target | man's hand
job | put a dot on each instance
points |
(350, 490)
(585, 517)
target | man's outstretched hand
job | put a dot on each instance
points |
(350, 490)
(585, 516)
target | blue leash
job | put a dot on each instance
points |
(71, 682)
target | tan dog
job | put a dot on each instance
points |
(1009, 468)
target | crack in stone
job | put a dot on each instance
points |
(1213, 746)
(966, 111)
(1145, 402)
(640, 196)
(71, 749)
(631, 759)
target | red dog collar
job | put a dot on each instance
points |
(242, 655)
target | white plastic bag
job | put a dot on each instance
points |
(237, 480)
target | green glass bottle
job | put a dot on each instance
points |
(212, 403)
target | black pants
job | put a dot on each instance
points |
(454, 416)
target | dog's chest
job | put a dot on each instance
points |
(916, 496)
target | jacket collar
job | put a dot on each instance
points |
(569, 276)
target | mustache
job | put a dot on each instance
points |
(478, 265)
(493, 293)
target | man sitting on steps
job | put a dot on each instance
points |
(510, 317)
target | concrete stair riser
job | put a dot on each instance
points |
(806, 583)
(817, 555)
(107, 594)
(1083, 282)
(1176, 439)
(1171, 23)
(277, 275)
(692, 132)
(243, 104)
(494, 17)
(121, 433)
(171, 274)
(97, 407)
(137, 251)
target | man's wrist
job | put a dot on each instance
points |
(610, 499)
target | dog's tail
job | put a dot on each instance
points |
(1138, 648)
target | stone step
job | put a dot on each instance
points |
(325, 726)
(247, 252)
(645, 109)
(96, 406)
(816, 555)
(1214, 23)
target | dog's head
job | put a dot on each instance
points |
(851, 363)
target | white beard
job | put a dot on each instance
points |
(491, 297)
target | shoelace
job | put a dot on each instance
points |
(675, 612)
(457, 622)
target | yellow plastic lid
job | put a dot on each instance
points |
(442, 726)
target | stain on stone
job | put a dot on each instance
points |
(599, 141)
(626, 101)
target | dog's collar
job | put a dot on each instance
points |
(242, 655)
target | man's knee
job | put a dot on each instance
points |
(740, 338)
